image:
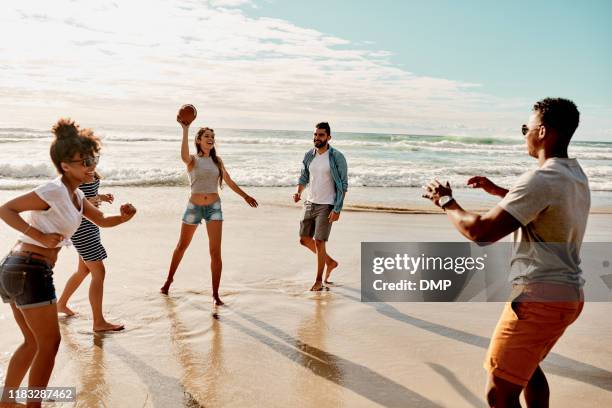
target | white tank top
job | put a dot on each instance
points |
(61, 218)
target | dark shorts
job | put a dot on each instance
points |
(26, 282)
(315, 222)
(194, 214)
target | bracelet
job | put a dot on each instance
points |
(27, 229)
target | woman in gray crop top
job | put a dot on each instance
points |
(206, 174)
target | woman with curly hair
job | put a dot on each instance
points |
(56, 209)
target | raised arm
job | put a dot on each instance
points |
(185, 156)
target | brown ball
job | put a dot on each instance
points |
(187, 114)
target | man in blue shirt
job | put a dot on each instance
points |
(324, 170)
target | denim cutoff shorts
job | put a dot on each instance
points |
(26, 282)
(194, 214)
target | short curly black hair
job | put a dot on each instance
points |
(559, 114)
(324, 126)
(71, 139)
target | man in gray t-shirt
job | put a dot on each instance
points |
(552, 205)
(547, 209)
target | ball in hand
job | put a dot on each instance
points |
(187, 114)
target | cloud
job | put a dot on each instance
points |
(137, 61)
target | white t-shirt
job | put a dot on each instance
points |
(552, 204)
(62, 217)
(321, 188)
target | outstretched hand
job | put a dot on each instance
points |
(482, 182)
(435, 190)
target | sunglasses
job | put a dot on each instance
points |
(525, 129)
(88, 161)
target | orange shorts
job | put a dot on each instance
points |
(526, 332)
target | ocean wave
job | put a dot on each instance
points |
(24, 130)
(24, 133)
(26, 171)
(138, 139)
(464, 140)
(272, 159)
(142, 177)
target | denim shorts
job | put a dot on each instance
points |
(26, 282)
(194, 214)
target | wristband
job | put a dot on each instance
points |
(445, 200)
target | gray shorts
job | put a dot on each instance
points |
(315, 222)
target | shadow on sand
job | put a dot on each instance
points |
(554, 364)
(362, 380)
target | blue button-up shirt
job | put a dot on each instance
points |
(339, 172)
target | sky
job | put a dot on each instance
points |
(438, 67)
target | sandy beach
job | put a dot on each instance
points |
(275, 344)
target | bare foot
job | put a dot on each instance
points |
(106, 326)
(164, 289)
(330, 267)
(217, 301)
(317, 287)
(65, 310)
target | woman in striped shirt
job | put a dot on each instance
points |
(87, 242)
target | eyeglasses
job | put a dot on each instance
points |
(88, 161)
(525, 129)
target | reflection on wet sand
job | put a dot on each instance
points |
(97, 365)
(92, 389)
(200, 375)
(313, 330)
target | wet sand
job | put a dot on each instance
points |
(275, 344)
